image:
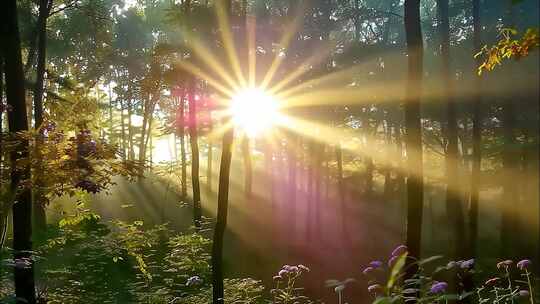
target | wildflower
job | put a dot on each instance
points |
(367, 270)
(304, 268)
(376, 264)
(468, 264)
(505, 263)
(194, 280)
(523, 264)
(523, 293)
(438, 287)
(399, 250)
(277, 278)
(339, 288)
(282, 273)
(374, 288)
(492, 281)
(293, 269)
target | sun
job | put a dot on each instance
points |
(254, 111)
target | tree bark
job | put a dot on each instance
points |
(413, 136)
(221, 220)
(40, 220)
(181, 133)
(193, 139)
(18, 122)
(248, 170)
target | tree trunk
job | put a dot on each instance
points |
(131, 155)
(476, 139)
(292, 146)
(221, 220)
(248, 170)
(123, 128)
(210, 156)
(453, 202)
(18, 122)
(193, 139)
(3, 205)
(341, 190)
(181, 133)
(413, 137)
(40, 220)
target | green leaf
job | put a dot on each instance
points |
(400, 262)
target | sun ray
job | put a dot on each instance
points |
(195, 70)
(284, 43)
(305, 67)
(251, 25)
(228, 41)
(201, 51)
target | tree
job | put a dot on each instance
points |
(413, 136)
(223, 200)
(22, 205)
(40, 201)
(248, 170)
(477, 138)
(453, 201)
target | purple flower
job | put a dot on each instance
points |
(293, 269)
(468, 264)
(376, 264)
(368, 270)
(523, 264)
(523, 293)
(438, 287)
(282, 273)
(399, 250)
(505, 263)
(304, 268)
(374, 288)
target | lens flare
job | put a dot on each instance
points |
(254, 111)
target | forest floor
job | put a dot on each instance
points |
(265, 233)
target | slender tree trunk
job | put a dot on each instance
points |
(413, 137)
(476, 138)
(193, 139)
(248, 170)
(123, 128)
(292, 146)
(387, 189)
(210, 158)
(40, 220)
(3, 205)
(180, 124)
(356, 20)
(341, 190)
(130, 127)
(18, 122)
(453, 202)
(221, 220)
(310, 196)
